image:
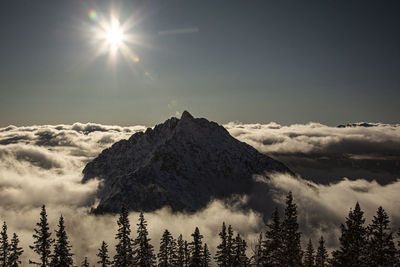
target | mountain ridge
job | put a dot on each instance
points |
(181, 163)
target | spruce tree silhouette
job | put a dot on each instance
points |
(4, 246)
(291, 247)
(104, 259)
(309, 255)
(180, 252)
(353, 239)
(272, 245)
(221, 256)
(381, 250)
(85, 262)
(43, 241)
(167, 254)
(196, 249)
(206, 256)
(62, 256)
(15, 252)
(124, 253)
(321, 258)
(143, 250)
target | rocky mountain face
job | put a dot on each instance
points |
(182, 163)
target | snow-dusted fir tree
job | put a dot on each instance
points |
(43, 241)
(102, 254)
(15, 252)
(206, 256)
(143, 250)
(196, 249)
(272, 245)
(4, 246)
(321, 258)
(62, 256)
(124, 252)
(309, 255)
(85, 262)
(291, 248)
(167, 254)
(352, 241)
(180, 252)
(221, 256)
(381, 250)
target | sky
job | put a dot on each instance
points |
(250, 61)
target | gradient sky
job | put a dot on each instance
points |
(251, 61)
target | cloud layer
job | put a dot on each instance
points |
(43, 164)
(325, 154)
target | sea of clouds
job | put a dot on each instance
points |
(43, 164)
(326, 154)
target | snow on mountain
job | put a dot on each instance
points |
(182, 163)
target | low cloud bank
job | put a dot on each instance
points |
(43, 164)
(325, 154)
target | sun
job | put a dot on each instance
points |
(113, 35)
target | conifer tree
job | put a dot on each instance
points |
(381, 250)
(257, 258)
(4, 246)
(398, 244)
(206, 256)
(104, 259)
(221, 256)
(85, 263)
(309, 255)
(180, 252)
(244, 259)
(239, 252)
(124, 253)
(272, 246)
(62, 256)
(143, 250)
(15, 252)
(167, 254)
(352, 241)
(43, 241)
(229, 246)
(196, 249)
(321, 258)
(173, 251)
(291, 248)
(187, 254)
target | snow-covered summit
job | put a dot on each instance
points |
(182, 163)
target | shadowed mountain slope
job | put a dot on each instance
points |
(182, 163)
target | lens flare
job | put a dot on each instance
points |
(93, 15)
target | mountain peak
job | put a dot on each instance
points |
(180, 165)
(186, 115)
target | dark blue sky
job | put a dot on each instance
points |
(252, 61)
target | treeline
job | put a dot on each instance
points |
(360, 245)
